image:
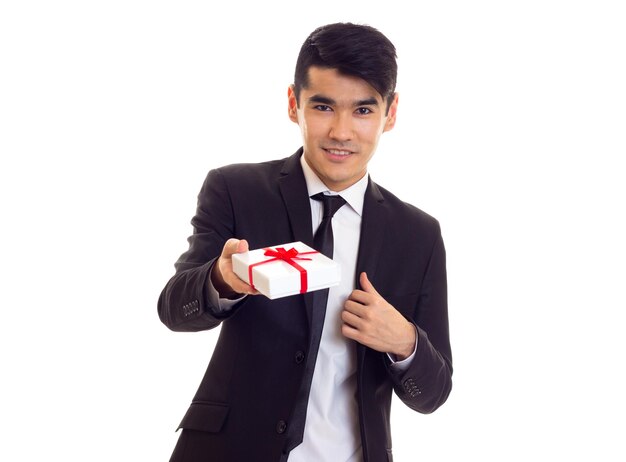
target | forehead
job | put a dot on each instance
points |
(330, 83)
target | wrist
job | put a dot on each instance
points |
(408, 346)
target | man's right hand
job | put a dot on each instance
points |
(225, 281)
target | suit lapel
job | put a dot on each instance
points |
(296, 198)
(373, 224)
(375, 218)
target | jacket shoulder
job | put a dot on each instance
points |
(251, 169)
(406, 211)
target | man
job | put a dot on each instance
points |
(279, 387)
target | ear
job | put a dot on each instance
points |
(391, 114)
(292, 108)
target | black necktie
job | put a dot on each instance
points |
(323, 243)
(323, 240)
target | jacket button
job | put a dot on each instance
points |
(299, 356)
(281, 426)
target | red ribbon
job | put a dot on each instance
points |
(287, 256)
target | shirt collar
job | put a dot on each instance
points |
(354, 195)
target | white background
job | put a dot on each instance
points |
(511, 131)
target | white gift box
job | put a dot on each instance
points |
(286, 269)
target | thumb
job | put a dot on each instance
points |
(243, 246)
(366, 285)
(234, 246)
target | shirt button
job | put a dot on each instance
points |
(281, 426)
(299, 356)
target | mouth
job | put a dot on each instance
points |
(338, 152)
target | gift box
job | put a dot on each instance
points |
(286, 269)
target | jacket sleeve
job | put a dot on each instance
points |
(426, 384)
(184, 304)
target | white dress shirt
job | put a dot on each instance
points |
(331, 432)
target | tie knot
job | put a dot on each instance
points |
(331, 203)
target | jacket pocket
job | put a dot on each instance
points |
(204, 416)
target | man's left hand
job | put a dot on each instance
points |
(373, 322)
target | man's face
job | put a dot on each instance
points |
(341, 118)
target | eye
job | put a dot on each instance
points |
(322, 107)
(363, 111)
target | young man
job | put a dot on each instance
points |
(281, 385)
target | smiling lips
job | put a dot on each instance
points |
(338, 152)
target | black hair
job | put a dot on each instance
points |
(354, 50)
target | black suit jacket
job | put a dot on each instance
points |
(245, 400)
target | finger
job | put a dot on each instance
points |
(360, 296)
(366, 285)
(351, 319)
(349, 332)
(358, 309)
(237, 284)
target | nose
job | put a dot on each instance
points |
(341, 128)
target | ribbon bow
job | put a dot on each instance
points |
(288, 256)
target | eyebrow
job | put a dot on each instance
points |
(331, 102)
